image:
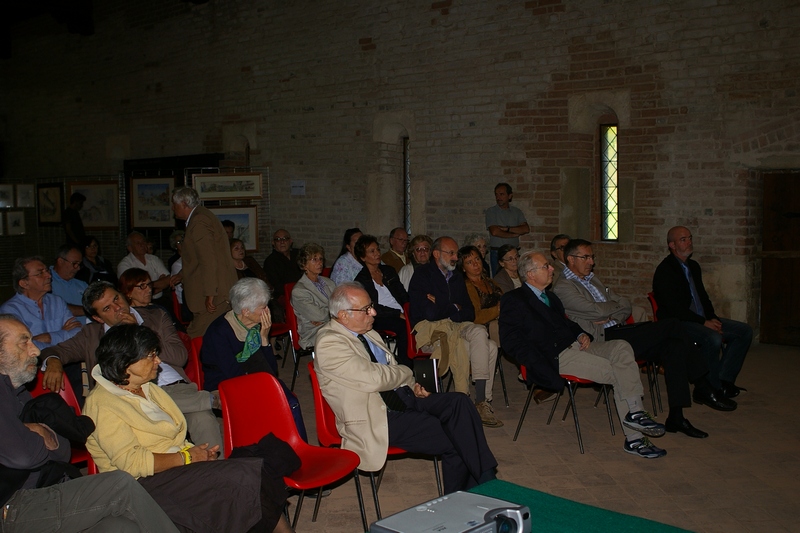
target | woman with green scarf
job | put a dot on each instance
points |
(237, 343)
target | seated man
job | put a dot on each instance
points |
(112, 501)
(680, 293)
(378, 404)
(600, 311)
(107, 308)
(65, 284)
(281, 268)
(396, 256)
(439, 302)
(45, 314)
(536, 333)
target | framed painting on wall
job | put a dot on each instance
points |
(246, 185)
(246, 220)
(150, 202)
(25, 195)
(6, 196)
(101, 208)
(16, 222)
(50, 198)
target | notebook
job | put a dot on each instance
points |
(426, 374)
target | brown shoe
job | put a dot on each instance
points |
(487, 415)
(541, 396)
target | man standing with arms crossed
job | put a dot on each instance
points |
(504, 222)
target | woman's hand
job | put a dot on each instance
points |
(266, 323)
(203, 453)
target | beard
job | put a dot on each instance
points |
(25, 373)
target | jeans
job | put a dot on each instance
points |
(734, 343)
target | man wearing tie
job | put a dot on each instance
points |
(680, 293)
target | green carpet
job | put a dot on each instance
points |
(551, 513)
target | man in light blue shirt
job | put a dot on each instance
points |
(64, 282)
(45, 314)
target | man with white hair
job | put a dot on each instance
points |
(139, 258)
(208, 272)
(378, 404)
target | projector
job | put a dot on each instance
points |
(459, 512)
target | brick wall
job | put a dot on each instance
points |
(706, 94)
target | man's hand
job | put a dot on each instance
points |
(584, 341)
(50, 441)
(176, 279)
(72, 323)
(127, 318)
(53, 377)
(420, 392)
(714, 324)
(210, 307)
(432, 298)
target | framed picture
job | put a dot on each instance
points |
(150, 202)
(25, 195)
(50, 198)
(6, 196)
(101, 208)
(1, 224)
(246, 220)
(227, 186)
(16, 222)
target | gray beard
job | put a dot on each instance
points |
(22, 376)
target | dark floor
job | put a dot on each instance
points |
(744, 477)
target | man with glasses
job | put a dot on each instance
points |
(557, 245)
(281, 267)
(420, 255)
(64, 282)
(396, 256)
(45, 314)
(535, 332)
(108, 308)
(378, 404)
(439, 307)
(603, 313)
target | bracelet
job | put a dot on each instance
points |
(187, 458)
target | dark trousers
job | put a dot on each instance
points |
(734, 343)
(448, 425)
(666, 344)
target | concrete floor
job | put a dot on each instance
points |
(744, 477)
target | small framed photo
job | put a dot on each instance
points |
(6, 196)
(16, 222)
(25, 195)
(242, 186)
(50, 198)
(246, 220)
(150, 202)
(101, 208)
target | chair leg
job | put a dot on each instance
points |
(553, 409)
(572, 393)
(360, 501)
(316, 504)
(650, 385)
(438, 475)
(658, 386)
(599, 395)
(524, 412)
(604, 390)
(375, 495)
(575, 414)
(296, 369)
(299, 506)
(499, 367)
(290, 348)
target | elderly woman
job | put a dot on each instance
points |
(420, 247)
(311, 293)
(246, 266)
(386, 292)
(478, 240)
(93, 266)
(140, 430)
(508, 277)
(135, 284)
(347, 267)
(237, 343)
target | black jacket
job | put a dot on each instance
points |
(392, 282)
(672, 292)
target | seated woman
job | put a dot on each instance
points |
(311, 293)
(246, 266)
(386, 292)
(137, 287)
(140, 430)
(479, 241)
(237, 343)
(508, 277)
(346, 267)
(93, 266)
(420, 247)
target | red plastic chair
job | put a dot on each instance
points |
(413, 351)
(193, 368)
(328, 436)
(654, 304)
(176, 309)
(79, 453)
(245, 422)
(327, 271)
(294, 336)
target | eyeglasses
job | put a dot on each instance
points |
(584, 257)
(559, 248)
(144, 285)
(75, 264)
(510, 259)
(281, 239)
(152, 355)
(364, 310)
(38, 273)
(422, 249)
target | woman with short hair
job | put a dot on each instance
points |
(420, 253)
(508, 277)
(311, 293)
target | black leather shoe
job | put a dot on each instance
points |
(729, 390)
(685, 427)
(714, 400)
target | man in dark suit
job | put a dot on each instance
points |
(208, 271)
(536, 333)
(680, 293)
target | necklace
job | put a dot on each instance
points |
(138, 392)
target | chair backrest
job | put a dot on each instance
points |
(193, 368)
(291, 317)
(67, 393)
(327, 434)
(413, 352)
(327, 271)
(252, 407)
(176, 309)
(652, 297)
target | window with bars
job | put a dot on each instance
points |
(609, 193)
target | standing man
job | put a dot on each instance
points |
(504, 222)
(71, 219)
(208, 272)
(680, 293)
(139, 258)
(377, 403)
(46, 315)
(396, 256)
(535, 332)
(112, 501)
(64, 282)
